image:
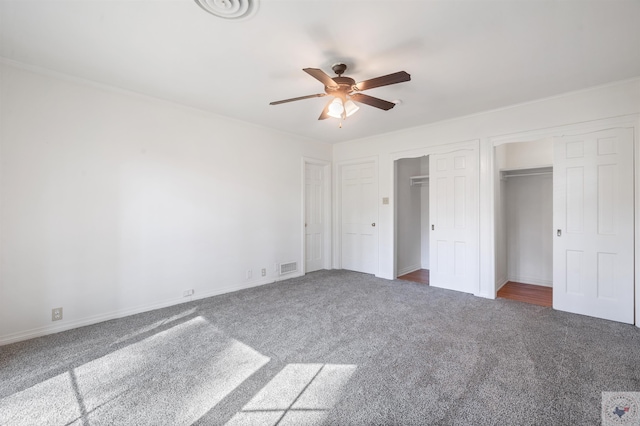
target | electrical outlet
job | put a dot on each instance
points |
(249, 274)
(264, 272)
(187, 293)
(56, 314)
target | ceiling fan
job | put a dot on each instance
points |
(345, 91)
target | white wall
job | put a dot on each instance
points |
(525, 155)
(602, 102)
(408, 217)
(114, 203)
(529, 229)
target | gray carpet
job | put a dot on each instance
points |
(333, 347)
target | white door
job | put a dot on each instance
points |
(593, 248)
(359, 218)
(453, 210)
(314, 220)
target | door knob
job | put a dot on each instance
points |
(559, 233)
(373, 224)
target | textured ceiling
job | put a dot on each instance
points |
(463, 56)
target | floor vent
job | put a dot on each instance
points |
(287, 268)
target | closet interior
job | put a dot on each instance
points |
(524, 220)
(412, 219)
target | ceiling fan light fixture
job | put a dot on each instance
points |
(336, 108)
(350, 108)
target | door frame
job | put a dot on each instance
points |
(473, 144)
(326, 208)
(625, 121)
(337, 212)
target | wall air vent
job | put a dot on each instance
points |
(230, 9)
(287, 268)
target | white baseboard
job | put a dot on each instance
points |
(94, 319)
(532, 281)
(485, 295)
(503, 281)
(408, 270)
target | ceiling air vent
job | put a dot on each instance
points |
(287, 268)
(230, 9)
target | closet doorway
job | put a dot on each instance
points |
(436, 221)
(524, 221)
(412, 219)
(589, 245)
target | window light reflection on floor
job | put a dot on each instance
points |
(155, 325)
(298, 394)
(158, 380)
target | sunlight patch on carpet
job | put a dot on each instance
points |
(164, 373)
(300, 394)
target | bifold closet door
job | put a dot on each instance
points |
(593, 250)
(453, 212)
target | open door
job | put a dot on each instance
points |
(593, 250)
(453, 210)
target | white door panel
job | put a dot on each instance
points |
(359, 216)
(454, 207)
(314, 217)
(594, 225)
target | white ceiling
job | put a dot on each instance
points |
(463, 56)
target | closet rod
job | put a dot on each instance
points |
(529, 174)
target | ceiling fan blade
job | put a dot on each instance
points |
(317, 95)
(325, 112)
(385, 80)
(374, 102)
(321, 76)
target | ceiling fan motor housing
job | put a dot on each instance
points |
(339, 68)
(345, 86)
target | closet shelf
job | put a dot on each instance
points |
(537, 171)
(418, 180)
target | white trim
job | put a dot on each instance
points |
(566, 130)
(64, 326)
(434, 149)
(408, 270)
(530, 280)
(502, 283)
(487, 246)
(636, 171)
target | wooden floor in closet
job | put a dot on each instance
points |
(527, 293)
(420, 276)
